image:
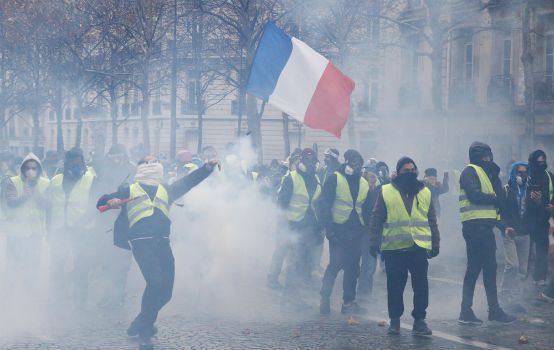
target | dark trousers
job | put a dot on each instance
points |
(398, 264)
(297, 266)
(155, 260)
(539, 240)
(343, 255)
(367, 269)
(481, 255)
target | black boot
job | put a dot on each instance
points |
(352, 307)
(497, 314)
(420, 328)
(394, 327)
(467, 317)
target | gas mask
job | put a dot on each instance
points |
(74, 170)
(519, 180)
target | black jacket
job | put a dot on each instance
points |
(379, 217)
(511, 214)
(352, 228)
(157, 225)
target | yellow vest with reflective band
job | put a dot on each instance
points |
(402, 230)
(30, 212)
(68, 211)
(142, 207)
(470, 211)
(344, 203)
(300, 201)
(190, 167)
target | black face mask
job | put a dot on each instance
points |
(408, 182)
(540, 166)
(74, 171)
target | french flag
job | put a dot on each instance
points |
(293, 77)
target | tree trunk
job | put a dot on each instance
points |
(36, 126)
(79, 116)
(173, 123)
(114, 115)
(529, 81)
(58, 107)
(286, 136)
(145, 108)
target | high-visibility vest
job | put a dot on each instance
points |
(29, 214)
(300, 200)
(550, 187)
(142, 207)
(470, 211)
(190, 167)
(344, 203)
(402, 230)
(68, 210)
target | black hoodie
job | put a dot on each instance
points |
(536, 214)
(469, 182)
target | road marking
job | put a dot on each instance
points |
(452, 338)
(458, 283)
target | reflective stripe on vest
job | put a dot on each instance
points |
(29, 213)
(550, 187)
(142, 207)
(300, 200)
(344, 203)
(68, 211)
(470, 211)
(402, 230)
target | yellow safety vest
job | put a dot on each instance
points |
(550, 187)
(402, 230)
(68, 211)
(190, 167)
(301, 201)
(470, 211)
(344, 203)
(142, 207)
(32, 215)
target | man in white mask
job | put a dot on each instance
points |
(143, 226)
(26, 223)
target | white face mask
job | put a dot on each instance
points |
(519, 180)
(349, 170)
(302, 167)
(31, 174)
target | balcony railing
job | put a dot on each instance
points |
(461, 93)
(501, 90)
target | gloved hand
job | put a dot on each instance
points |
(373, 251)
(433, 252)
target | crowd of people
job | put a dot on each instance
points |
(369, 215)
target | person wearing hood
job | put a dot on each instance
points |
(143, 226)
(383, 174)
(344, 211)
(481, 199)
(331, 163)
(516, 234)
(27, 209)
(404, 227)
(298, 196)
(72, 232)
(539, 195)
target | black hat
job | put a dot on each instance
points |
(351, 155)
(308, 153)
(402, 161)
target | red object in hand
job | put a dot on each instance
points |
(106, 207)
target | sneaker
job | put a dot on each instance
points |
(547, 297)
(467, 317)
(394, 327)
(274, 284)
(325, 306)
(499, 315)
(352, 307)
(420, 328)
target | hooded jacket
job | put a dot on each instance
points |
(537, 214)
(469, 182)
(352, 228)
(515, 206)
(12, 199)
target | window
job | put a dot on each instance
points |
(157, 104)
(507, 58)
(191, 139)
(468, 62)
(193, 89)
(235, 107)
(51, 116)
